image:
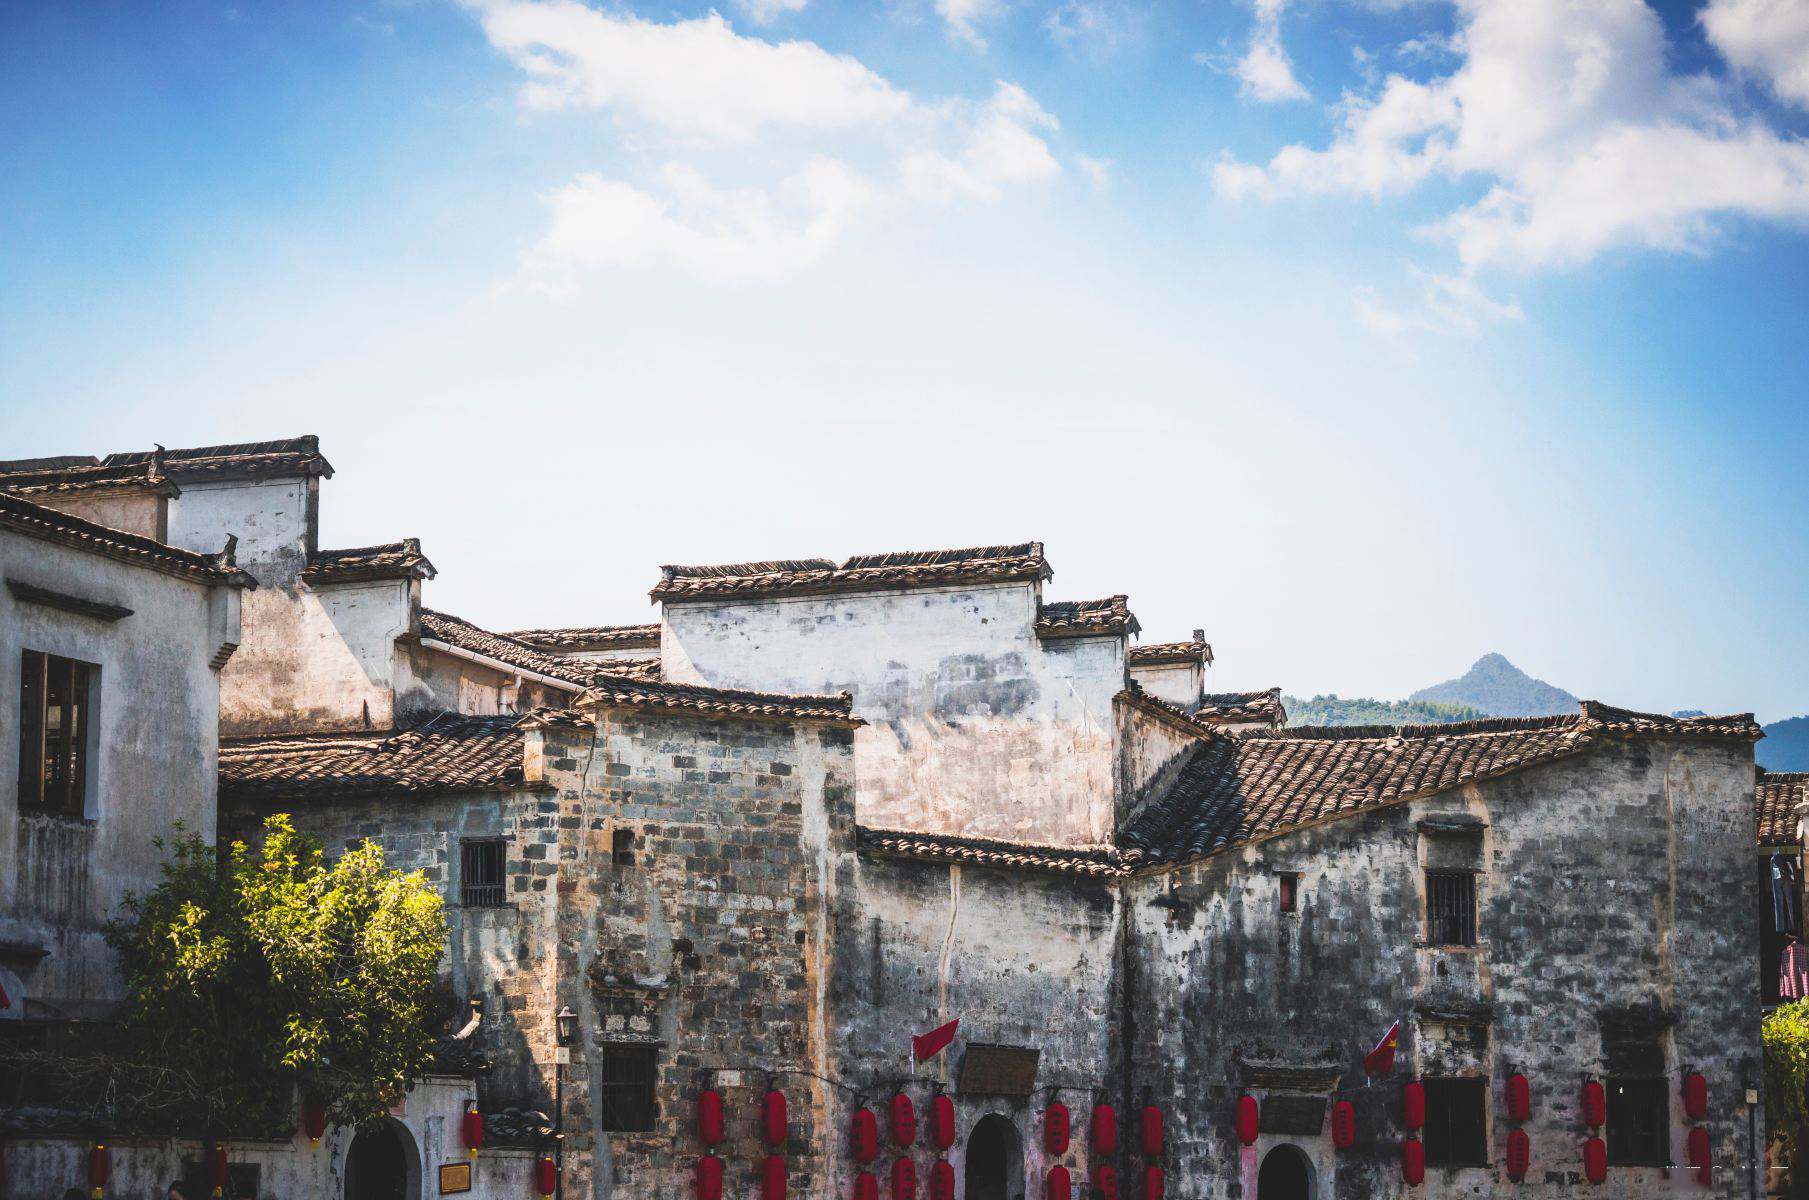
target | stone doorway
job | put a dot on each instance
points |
(1285, 1175)
(995, 1160)
(383, 1164)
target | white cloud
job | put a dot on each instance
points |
(1447, 304)
(1097, 170)
(685, 222)
(1767, 38)
(1566, 110)
(1264, 70)
(965, 17)
(695, 77)
(1092, 25)
(765, 12)
(1002, 147)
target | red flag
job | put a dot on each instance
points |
(1380, 1061)
(932, 1043)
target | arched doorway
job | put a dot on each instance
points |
(383, 1164)
(1286, 1175)
(995, 1160)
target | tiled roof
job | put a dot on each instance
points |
(1097, 861)
(646, 670)
(47, 524)
(1086, 618)
(1158, 654)
(391, 560)
(1779, 796)
(622, 691)
(450, 753)
(1230, 708)
(1237, 788)
(456, 631)
(248, 460)
(593, 637)
(84, 476)
(863, 572)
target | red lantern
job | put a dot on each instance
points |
(772, 1118)
(98, 1167)
(709, 1178)
(1153, 1183)
(904, 1179)
(863, 1136)
(1104, 1132)
(546, 1176)
(709, 1117)
(1413, 1161)
(1519, 1153)
(1249, 1120)
(216, 1168)
(1519, 1097)
(1413, 1104)
(942, 1180)
(1344, 1124)
(1595, 1104)
(903, 1120)
(1149, 1130)
(314, 1121)
(1595, 1160)
(772, 1178)
(471, 1129)
(942, 1122)
(1699, 1147)
(1105, 1182)
(1058, 1186)
(866, 1187)
(1055, 1128)
(1695, 1096)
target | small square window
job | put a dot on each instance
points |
(627, 1104)
(1639, 1122)
(622, 848)
(1457, 1123)
(1451, 908)
(481, 874)
(1288, 891)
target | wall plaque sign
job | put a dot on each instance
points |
(997, 1070)
(455, 1177)
(1298, 1116)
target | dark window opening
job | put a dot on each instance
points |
(1639, 1122)
(53, 733)
(481, 874)
(1457, 1127)
(622, 848)
(1288, 891)
(1451, 908)
(626, 1104)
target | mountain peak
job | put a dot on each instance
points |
(1500, 689)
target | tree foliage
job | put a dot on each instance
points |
(1785, 1032)
(1330, 710)
(250, 974)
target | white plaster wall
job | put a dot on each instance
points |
(1177, 683)
(975, 726)
(316, 660)
(156, 740)
(271, 518)
(140, 512)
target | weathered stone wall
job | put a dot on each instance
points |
(1022, 959)
(1612, 884)
(975, 725)
(153, 753)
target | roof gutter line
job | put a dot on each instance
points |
(497, 664)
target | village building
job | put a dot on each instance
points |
(820, 807)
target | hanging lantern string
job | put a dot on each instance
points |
(867, 1088)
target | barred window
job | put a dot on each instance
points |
(622, 848)
(1639, 1122)
(626, 1104)
(1457, 1123)
(54, 715)
(1451, 908)
(481, 874)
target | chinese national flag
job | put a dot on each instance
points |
(1380, 1061)
(930, 1044)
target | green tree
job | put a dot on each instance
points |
(1785, 1031)
(251, 974)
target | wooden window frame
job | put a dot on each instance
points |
(1447, 1099)
(56, 779)
(484, 893)
(1287, 893)
(1451, 907)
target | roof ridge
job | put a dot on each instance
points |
(931, 558)
(37, 520)
(1478, 727)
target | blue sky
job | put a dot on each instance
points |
(1370, 336)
